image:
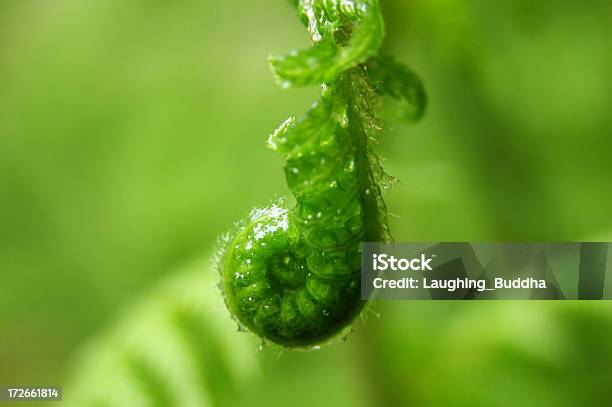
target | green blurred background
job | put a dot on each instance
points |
(132, 133)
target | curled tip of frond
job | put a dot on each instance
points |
(291, 275)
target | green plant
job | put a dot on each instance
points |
(292, 276)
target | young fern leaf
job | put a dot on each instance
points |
(344, 34)
(401, 83)
(292, 275)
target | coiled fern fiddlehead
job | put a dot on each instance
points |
(292, 275)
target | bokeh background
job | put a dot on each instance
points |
(132, 133)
